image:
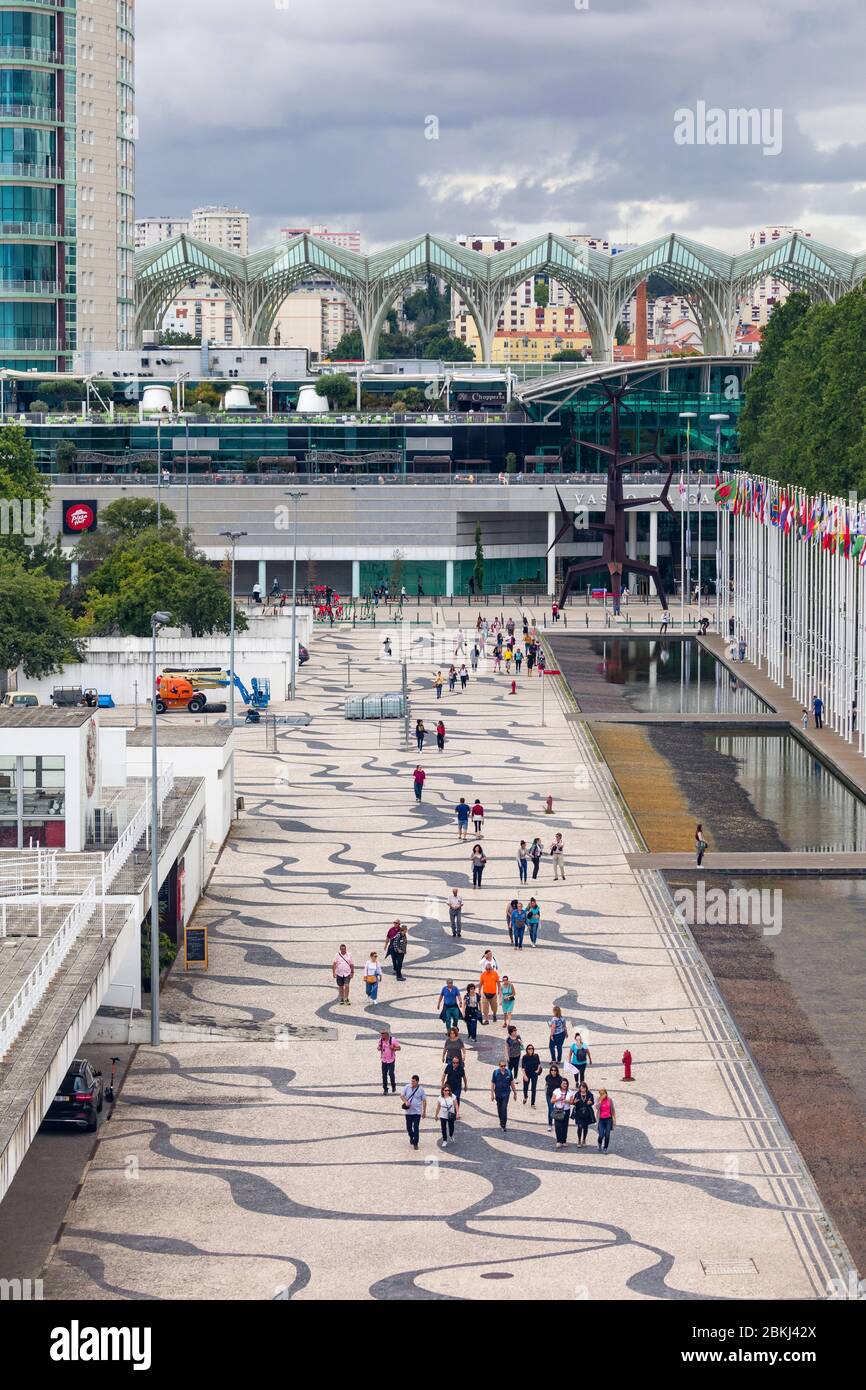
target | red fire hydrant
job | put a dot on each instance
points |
(548, 810)
(626, 1061)
(514, 687)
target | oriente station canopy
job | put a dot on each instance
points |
(602, 285)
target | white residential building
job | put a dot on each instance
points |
(150, 231)
(227, 228)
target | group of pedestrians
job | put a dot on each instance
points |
(421, 734)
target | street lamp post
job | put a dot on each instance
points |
(686, 519)
(296, 498)
(718, 419)
(157, 621)
(233, 537)
(158, 473)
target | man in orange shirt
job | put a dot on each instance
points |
(489, 992)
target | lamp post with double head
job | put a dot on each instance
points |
(157, 621)
(296, 498)
(233, 537)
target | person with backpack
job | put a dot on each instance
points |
(388, 1048)
(395, 946)
(584, 1113)
(414, 1108)
(558, 1034)
(513, 1050)
(419, 777)
(533, 920)
(580, 1057)
(447, 1113)
(531, 1066)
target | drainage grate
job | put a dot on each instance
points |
(729, 1267)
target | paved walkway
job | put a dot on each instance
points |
(276, 1167)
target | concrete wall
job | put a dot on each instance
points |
(113, 665)
(212, 763)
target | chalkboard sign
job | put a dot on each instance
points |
(195, 946)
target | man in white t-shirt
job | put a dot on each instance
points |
(455, 911)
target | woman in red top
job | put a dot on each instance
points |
(440, 735)
(477, 814)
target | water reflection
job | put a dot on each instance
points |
(671, 677)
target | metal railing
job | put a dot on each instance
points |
(29, 113)
(14, 1018)
(29, 287)
(36, 229)
(12, 54)
(29, 171)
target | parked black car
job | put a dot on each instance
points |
(80, 1098)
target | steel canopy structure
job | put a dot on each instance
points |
(602, 285)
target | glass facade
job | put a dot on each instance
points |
(32, 802)
(38, 114)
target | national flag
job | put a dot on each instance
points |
(723, 493)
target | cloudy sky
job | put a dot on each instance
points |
(550, 117)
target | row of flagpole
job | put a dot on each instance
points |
(798, 565)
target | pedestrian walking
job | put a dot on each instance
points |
(452, 678)
(533, 920)
(464, 676)
(419, 777)
(561, 1103)
(513, 1050)
(509, 914)
(554, 611)
(606, 1119)
(477, 814)
(473, 660)
(518, 659)
(438, 683)
(530, 657)
(558, 1034)
(557, 854)
(522, 860)
(471, 1011)
(460, 642)
(805, 719)
(507, 996)
(518, 925)
(415, 1109)
(450, 1005)
(509, 657)
(440, 735)
(447, 1112)
(584, 1112)
(700, 845)
(552, 1082)
(343, 969)
(395, 946)
(454, 1076)
(489, 986)
(536, 850)
(531, 1067)
(666, 617)
(501, 1090)
(453, 1047)
(580, 1057)
(488, 961)
(455, 912)
(372, 976)
(388, 1048)
(818, 711)
(461, 811)
(478, 860)
(420, 734)
(742, 654)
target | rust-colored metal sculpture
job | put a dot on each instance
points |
(614, 557)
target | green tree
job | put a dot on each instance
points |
(569, 355)
(152, 572)
(65, 456)
(760, 395)
(24, 496)
(204, 394)
(350, 348)
(511, 463)
(338, 388)
(621, 334)
(129, 519)
(36, 631)
(440, 345)
(541, 293)
(171, 338)
(478, 568)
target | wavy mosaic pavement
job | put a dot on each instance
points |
(275, 1167)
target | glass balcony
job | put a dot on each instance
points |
(39, 287)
